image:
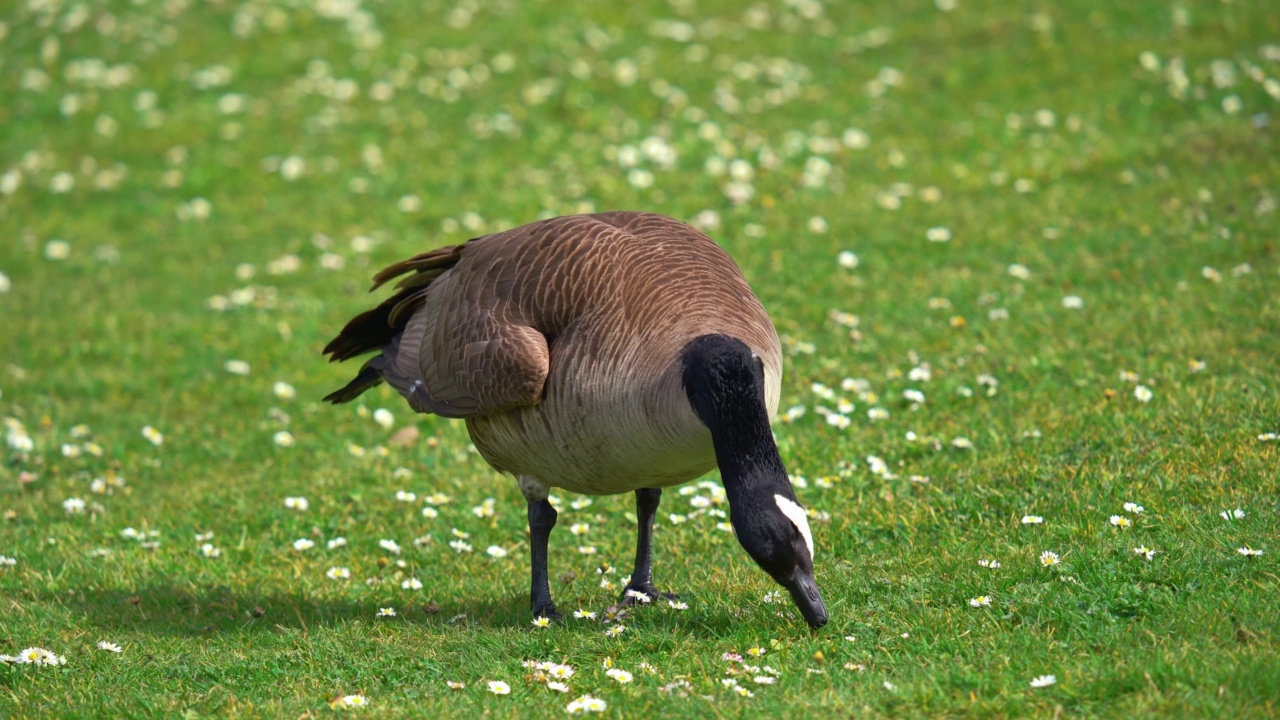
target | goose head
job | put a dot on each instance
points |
(724, 382)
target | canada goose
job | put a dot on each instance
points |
(601, 354)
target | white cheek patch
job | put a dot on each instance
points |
(797, 516)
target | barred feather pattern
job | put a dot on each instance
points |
(558, 342)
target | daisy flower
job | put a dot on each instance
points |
(40, 656)
(495, 551)
(678, 604)
(557, 686)
(757, 652)
(455, 685)
(1236, 514)
(109, 646)
(1032, 519)
(1144, 551)
(386, 612)
(542, 622)
(296, 503)
(1048, 558)
(208, 550)
(338, 573)
(390, 546)
(584, 614)
(743, 692)
(1143, 393)
(992, 564)
(560, 672)
(497, 687)
(1120, 521)
(303, 544)
(350, 701)
(411, 584)
(336, 543)
(616, 630)
(1134, 508)
(153, 436)
(621, 676)
(1043, 681)
(1248, 551)
(586, 704)
(980, 601)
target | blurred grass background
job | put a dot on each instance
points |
(184, 184)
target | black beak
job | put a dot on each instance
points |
(804, 592)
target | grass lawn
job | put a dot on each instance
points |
(1023, 257)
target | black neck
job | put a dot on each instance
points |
(724, 382)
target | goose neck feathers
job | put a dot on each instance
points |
(724, 381)
(725, 384)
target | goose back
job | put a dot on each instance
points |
(559, 342)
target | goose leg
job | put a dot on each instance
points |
(542, 517)
(642, 577)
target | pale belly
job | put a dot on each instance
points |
(620, 453)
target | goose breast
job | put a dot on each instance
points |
(605, 303)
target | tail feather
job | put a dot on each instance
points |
(368, 378)
(440, 259)
(380, 328)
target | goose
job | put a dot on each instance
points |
(600, 354)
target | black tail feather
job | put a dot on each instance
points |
(368, 378)
(369, 330)
(380, 328)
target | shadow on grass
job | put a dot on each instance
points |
(165, 609)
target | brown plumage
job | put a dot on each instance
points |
(601, 354)
(558, 342)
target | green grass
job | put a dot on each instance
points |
(507, 111)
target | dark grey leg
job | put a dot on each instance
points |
(542, 517)
(642, 577)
